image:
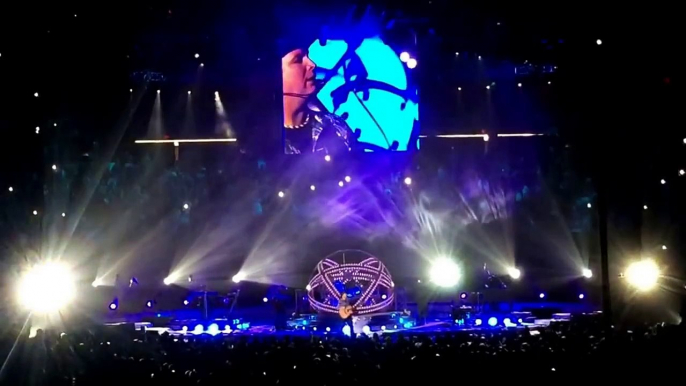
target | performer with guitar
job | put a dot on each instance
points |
(345, 310)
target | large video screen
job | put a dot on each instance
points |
(349, 94)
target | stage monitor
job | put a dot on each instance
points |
(350, 93)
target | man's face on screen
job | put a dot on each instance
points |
(298, 73)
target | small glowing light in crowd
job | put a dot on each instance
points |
(35, 94)
(264, 300)
(340, 183)
(202, 64)
(463, 295)
(197, 56)
(308, 287)
(598, 42)
(645, 207)
(541, 295)
(54, 124)
(237, 278)
(35, 213)
(457, 54)
(643, 275)
(663, 181)
(459, 89)
(347, 179)
(186, 206)
(488, 87)
(189, 92)
(581, 296)
(11, 189)
(479, 57)
(412, 63)
(312, 187)
(130, 90)
(64, 214)
(47, 287)
(589, 206)
(514, 273)
(404, 57)
(445, 273)
(327, 158)
(492, 321)
(282, 194)
(486, 137)
(54, 167)
(408, 181)
(549, 82)
(37, 130)
(587, 273)
(664, 247)
(682, 172)
(519, 85)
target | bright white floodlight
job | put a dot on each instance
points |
(445, 273)
(514, 273)
(643, 275)
(46, 288)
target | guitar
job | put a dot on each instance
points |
(345, 312)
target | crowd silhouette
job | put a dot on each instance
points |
(566, 351)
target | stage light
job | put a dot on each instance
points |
(346, 330)
(54, 167)
(445, 273)
(35, 213)
(11, 189)
(412, 63)
(308, 288)
(190, 278)
(264, 300)
(664, 247)
(549, 82)
(197, 56)
(541, 295)
(198, 329)
(37, 130)
(340, 183)
(148, 304)
(589, 206)
(327, 158)
(366, 329)
(312, 187)
(408, 181)
(35, 94)
(96, 283)
(519, 85)
(282, 194)
(186, 206)
(237, 278)
(46, 288)
(114, 304)
(189, 92)
(492, 321)
(488, 87)
(347, 179)
(645, 207)
(478, 322)
(682, 172)
(384, 296)
(404, 57)
(479, 57)
(598, 42)
(663, 181)
(581, 296)
(168, 280)
(202, 64)
(587, 273)
(185, 302)
(463, 295)
(158, 91)
(459, 89)
(130, 90)
(486, 137)
(64, 214)
(213, 329)
(514, 272)
(643, 275)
